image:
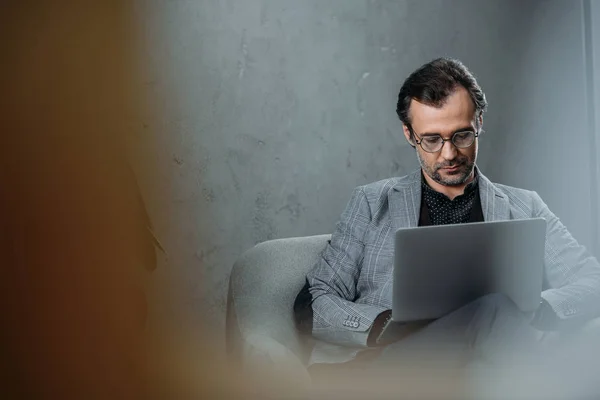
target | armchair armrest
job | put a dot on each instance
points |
(273, 368)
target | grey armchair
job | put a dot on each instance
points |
(260, 329)
(261, 335)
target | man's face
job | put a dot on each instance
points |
(450, 166)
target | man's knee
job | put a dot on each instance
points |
(496, 301)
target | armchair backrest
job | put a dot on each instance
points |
(263, 285)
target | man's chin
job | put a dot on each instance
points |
(453, 178)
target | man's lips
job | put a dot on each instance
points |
(452, 168)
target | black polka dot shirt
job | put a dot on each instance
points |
(438, 209)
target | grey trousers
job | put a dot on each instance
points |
(501, 354)
(490, 329)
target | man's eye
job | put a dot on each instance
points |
(432, 139)
(463, 135)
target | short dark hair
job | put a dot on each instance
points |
(434, 82)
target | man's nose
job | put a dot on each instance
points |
(449, 151)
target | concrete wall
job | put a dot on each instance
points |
(593, 50)
(270, 112)
(549, 144)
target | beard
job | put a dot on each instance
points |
(454, 178)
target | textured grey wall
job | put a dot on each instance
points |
(593, 49)
(272, 111)
(549, 147)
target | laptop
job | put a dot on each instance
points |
(439, 269)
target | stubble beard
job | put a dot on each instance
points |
(460, 177)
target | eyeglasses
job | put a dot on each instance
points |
(434, 143)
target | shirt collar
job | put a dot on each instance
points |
(470, 188)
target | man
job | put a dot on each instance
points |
(347, 299)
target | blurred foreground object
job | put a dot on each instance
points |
(77, 242)
(74, 229)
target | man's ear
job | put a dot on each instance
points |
(408, 135)
(480, 120)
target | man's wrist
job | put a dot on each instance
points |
(545, 318)
(378, 326)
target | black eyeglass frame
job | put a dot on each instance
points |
(476, 134)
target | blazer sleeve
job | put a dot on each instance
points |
(337, 318)
(572, 272)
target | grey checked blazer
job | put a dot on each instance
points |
(352, 282)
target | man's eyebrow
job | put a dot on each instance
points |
(466, 128)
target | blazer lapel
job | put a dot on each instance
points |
(404, 201)
(494, 203)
